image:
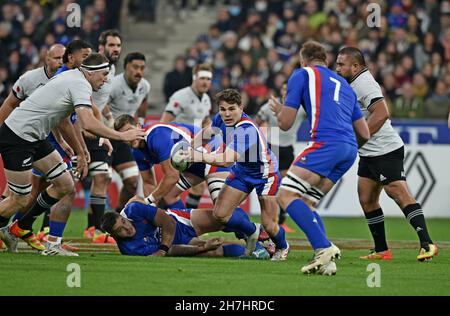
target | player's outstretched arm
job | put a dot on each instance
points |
(92, 125)
(168, 227)
(362, 131)
(225, 159)
(286, 115)
(169, 180)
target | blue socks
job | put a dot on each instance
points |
(302, 215)
(240, 222)
(56, 228)
(178, 205)
(280, 239)
(233, 250)
(319, 221)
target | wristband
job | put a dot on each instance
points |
(163, 248)
(150, 199)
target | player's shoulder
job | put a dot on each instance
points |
(182, 93)
(363, 80)
(31, 76)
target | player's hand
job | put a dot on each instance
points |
(275, 105)
(132, 134)
(159, 253)
(87, 154)
(107, 144)
(213, 243)
(67, 149)
(82, 167)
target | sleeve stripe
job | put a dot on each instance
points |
(15, 94)
(374, 100)
(87, 105)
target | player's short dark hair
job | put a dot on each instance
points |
(102, 39)
(200, 67)
(355, 54)
(230, 96)
(313, 50)
(123, 120)
(133, 56)
(108, 221)
(73, 47)
(95, 59)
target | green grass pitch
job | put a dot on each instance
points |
(107, 273)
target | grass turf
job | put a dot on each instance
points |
(112, 274)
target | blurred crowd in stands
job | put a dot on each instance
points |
(254, 47)
(254, 44)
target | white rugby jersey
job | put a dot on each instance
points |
(386, 139)
(280, 138)
(48, 105)
(123, 100)
(30, 81)
(187, 107)
(101, 96)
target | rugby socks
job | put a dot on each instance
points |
(3, 221)
(193, 200)
(233, 250)
(56, 231)
(98, 204)
(240, 222)
(46, 220)
(280, 238)
(44, 203)
(178, 205)
(375, 220)
(414, 214)
(18, 216)
(319, 221)
(303, 216)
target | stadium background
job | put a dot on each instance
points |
(253, 46)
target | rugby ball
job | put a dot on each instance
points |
(177, 160)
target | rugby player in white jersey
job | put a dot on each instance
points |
(23, 145)
(381, 160)
(22, 89)
(110, 45)
(192, 105)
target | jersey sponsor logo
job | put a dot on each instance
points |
(26, 162)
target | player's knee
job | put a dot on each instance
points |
(101, 181)
(130, 184)
(21, 200)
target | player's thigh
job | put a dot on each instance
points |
(128, 170)
(369, 193)
(399, 192)
(204, 221)
(229, 198)
(215, 183)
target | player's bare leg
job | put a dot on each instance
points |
(369, 196)
(195, 194)
(295, 186)
(229, 199)
(398, 191)
(128, 172)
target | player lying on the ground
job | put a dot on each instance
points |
(144, 230)
(156, 149)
